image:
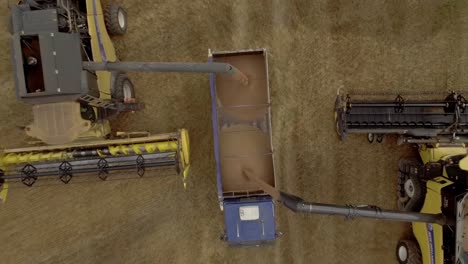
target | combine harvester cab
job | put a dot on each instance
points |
(242, 142)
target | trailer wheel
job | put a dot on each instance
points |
(115, 19)
(223, 237)
(410, 189)
(123, 90)
(370, 138)
(408, 252)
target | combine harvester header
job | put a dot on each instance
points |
(415, 121)
(101, 157)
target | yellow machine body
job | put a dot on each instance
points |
(96, 21)
(430, 236)
(438, 152)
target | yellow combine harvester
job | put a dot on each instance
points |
(72, 105)
(434, 184)
(66, 67)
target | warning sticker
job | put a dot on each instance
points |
(249, 213)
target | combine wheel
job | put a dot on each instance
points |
(380, 138)
(410, 187)
(115, 18)
(87, 112)
(340, 120)
(339, 127)
(123, 90)
(408, 252)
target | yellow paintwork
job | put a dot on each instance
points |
(165, 146)
(437, 153)
(98, 143)
(463, 163)
(185, 154)
(32, 157)
(98, 130)
(96, 16)
(150, 144)
(433, 200)
(4, 192)
(185, 175)
(432, 205)
(185, 143)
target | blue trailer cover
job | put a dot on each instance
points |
(249, 222)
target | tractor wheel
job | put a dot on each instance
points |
(411, 190)
(123, 90)
(115, 18)
(408, 252)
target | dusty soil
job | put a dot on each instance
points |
(315, 47)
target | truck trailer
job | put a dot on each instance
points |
(241, 119)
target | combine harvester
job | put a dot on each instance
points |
(436, 183)
(66, 67)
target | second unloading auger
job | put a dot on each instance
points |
(298, 205)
